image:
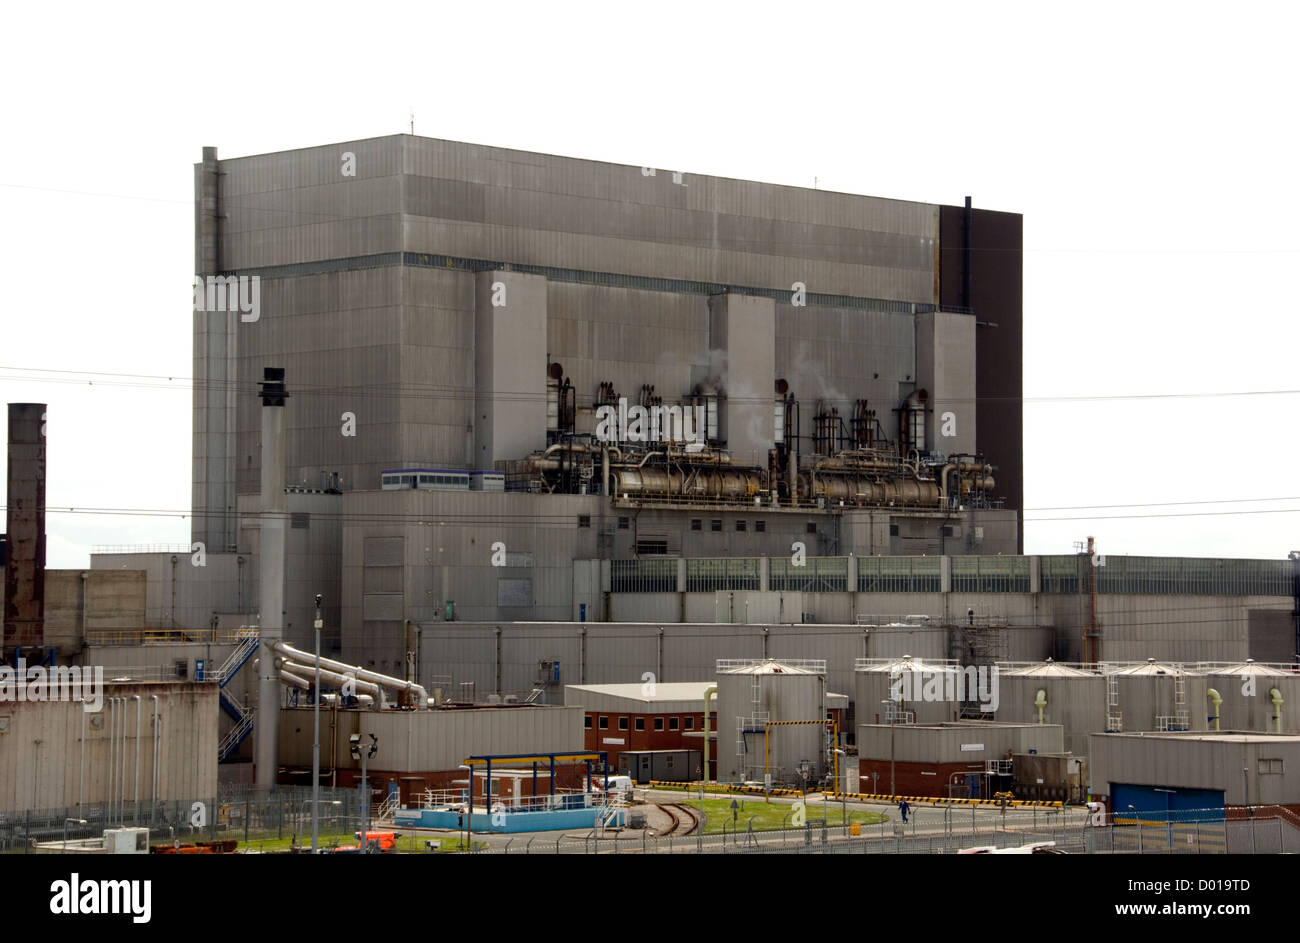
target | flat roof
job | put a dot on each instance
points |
(663, 691)
(1207, 736)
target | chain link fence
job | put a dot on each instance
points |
(257, 820)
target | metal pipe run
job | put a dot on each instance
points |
(153, 795)
(297, 672)
(387, 681)
(294, 681)
(112, 752)
(138, 703)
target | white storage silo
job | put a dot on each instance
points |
(1052, 693)
(752, 696)
(919, 689)
(1250, 697)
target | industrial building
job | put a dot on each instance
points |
(782, 364)
(532, 425)
(964, 759)
(1194, 775)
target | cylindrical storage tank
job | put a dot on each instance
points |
(1147, 692)
(923, 687)
(1247, 705)
(749, 693)
(1074, 698)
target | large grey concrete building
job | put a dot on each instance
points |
(454, 308)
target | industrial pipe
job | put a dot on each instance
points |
(387, 681)
(136, 808)
(81, 790)
(1040, 701)
(153, 796)
(112, 752)
(294, 681)
(1275, 696)
(1216, 699)
(296, 671)
(709, 693)
(121, 766)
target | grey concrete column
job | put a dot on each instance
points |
(213, 446)
(945, 574)
(764, 569)
(509, 366)
(1035, 574)
(742, 346)
(945, 368)
(271, 558)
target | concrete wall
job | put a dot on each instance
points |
(430, 741)
(184, 590)
(917, 744)
(80, 601)
(41, 748)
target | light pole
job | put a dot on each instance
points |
(892, 721)
(362, 753)
(315, 743)
(844, 794)
(469, 799)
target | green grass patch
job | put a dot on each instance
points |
(774, 815)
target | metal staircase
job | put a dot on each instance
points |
(241, 714)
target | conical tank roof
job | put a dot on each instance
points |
(908, 663)
(1050, 669)
(1150, 667)
(1252, 667)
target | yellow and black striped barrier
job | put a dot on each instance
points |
(862, 796)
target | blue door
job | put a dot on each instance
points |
(1163, 804)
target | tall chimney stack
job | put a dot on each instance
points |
(271, 553)
(24, 608)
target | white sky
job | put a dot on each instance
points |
(1151, 149)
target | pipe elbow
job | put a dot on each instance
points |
(1215, 697)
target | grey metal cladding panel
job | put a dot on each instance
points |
(312, 166)
(307, 242)
(660, 259)
(446, 199)
(338, 201)
(384, 551)
(522, 170)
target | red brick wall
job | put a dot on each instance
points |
(914, 779)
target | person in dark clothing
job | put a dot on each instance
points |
(903, 807)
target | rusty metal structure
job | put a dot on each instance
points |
(24, 601)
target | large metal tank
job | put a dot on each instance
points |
(911, 684)
(1148, 695)
(1246, 700)
(1071, 697)
(751, 693)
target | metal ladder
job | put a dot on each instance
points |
(1114, 717)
